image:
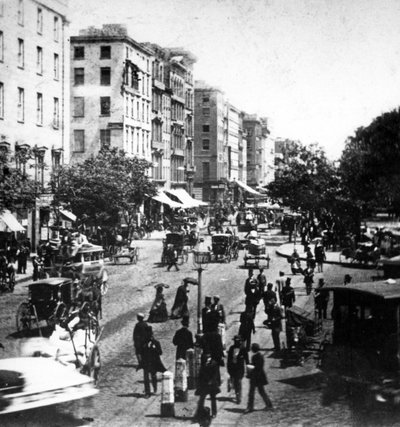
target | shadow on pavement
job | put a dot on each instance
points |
(311, 381)
(137, 395)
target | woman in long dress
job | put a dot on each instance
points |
(158, 311)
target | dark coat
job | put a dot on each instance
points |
(209, 379)
(246, 325)
(258, 376)
(237, 360)
(183, 339)
(288, 296)
(141, 333)
(180, 308)
(158, 311)
(210, 319)
(211, 343)
(151, 359)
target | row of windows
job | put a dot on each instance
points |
(79, 52)
(20, 97)
(137, 141)
(39, 18)
(105, 76)
(141, 112)
(79, 106)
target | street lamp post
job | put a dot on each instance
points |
(200, 261)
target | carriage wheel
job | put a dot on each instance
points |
(94, 364)
(24, 317)
(103, 287)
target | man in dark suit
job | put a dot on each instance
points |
(183, 339)
(141, 334)
(258, 379)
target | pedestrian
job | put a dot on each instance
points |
(180, 307)
(269, 299)
(36, 264)
(158, 310)
(209, 382)
(183, 339)
(347, 279)
(308, 279)
(294, 261)
(172, 257)
(141, 335)
(210, 317)
(276, 325)
(252, 297)
(280, 283)
(321, 300)
(262, 281)
(246, 328)
(320, 256)
(211, 342)
(236, 364)
(310, 260)
(219, 308)
(22, 257)
(151, 362)
(288, 295)
(258, 379)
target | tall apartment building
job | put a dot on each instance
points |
(260, 151)
(220, 155)
(34, 96)
(111, 90)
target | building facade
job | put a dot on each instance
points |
(34, 96)
(111, 91)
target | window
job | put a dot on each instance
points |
(56, 113)
(79, 52)
(21, 105)
(1, 100)
(105, 137)
(79, 141)
(206, 144)
(206, 111)
(39, 109)
(206, 128)
(56, 29)
(39, 60)
(39, 21)
(21, 53)
(1, 46)
(79, 76)
(21, 12)
(105, 105)
(56, 67)
(56, 159)
(79, 106)
(105, 52)
(206, 171)
(105, 76)
(206, 99)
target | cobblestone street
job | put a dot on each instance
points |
(296, 391)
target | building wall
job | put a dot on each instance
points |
(39, 125)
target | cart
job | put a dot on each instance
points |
(255, 254)
(48, 299)
(177, 240)
(130, 253)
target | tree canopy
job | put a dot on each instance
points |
(104, 188)
(370, 164)
(305, 179)
(17, 190)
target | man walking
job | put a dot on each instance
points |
(288, 295)
(258, 379)
(236, 364)
(172, 257)
(141, 334)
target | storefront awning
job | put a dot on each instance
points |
(69, 215)
(8, 222)
(247, 188)
(163, 198)
(185, 198)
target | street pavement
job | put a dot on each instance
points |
(295, 391)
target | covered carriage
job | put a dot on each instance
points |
(177, 243)
(224, 247)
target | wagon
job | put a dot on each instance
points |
(48, 299)
(255, 253)
(177, 240)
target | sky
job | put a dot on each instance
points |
(318, 69)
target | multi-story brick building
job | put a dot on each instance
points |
(34, 95)
(111, 90)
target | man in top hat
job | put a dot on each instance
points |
(219, 308)
(209, 316)
(236, 364)
(183, 339)
(141, 334)
(172, 257)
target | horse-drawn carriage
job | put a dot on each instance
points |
(224, 247)
(366, 253)
(175, 242)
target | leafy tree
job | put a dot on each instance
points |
(103, 188)
(17, 190)
(370, 164)
(306, 179)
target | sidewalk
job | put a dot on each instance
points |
(286, 251)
